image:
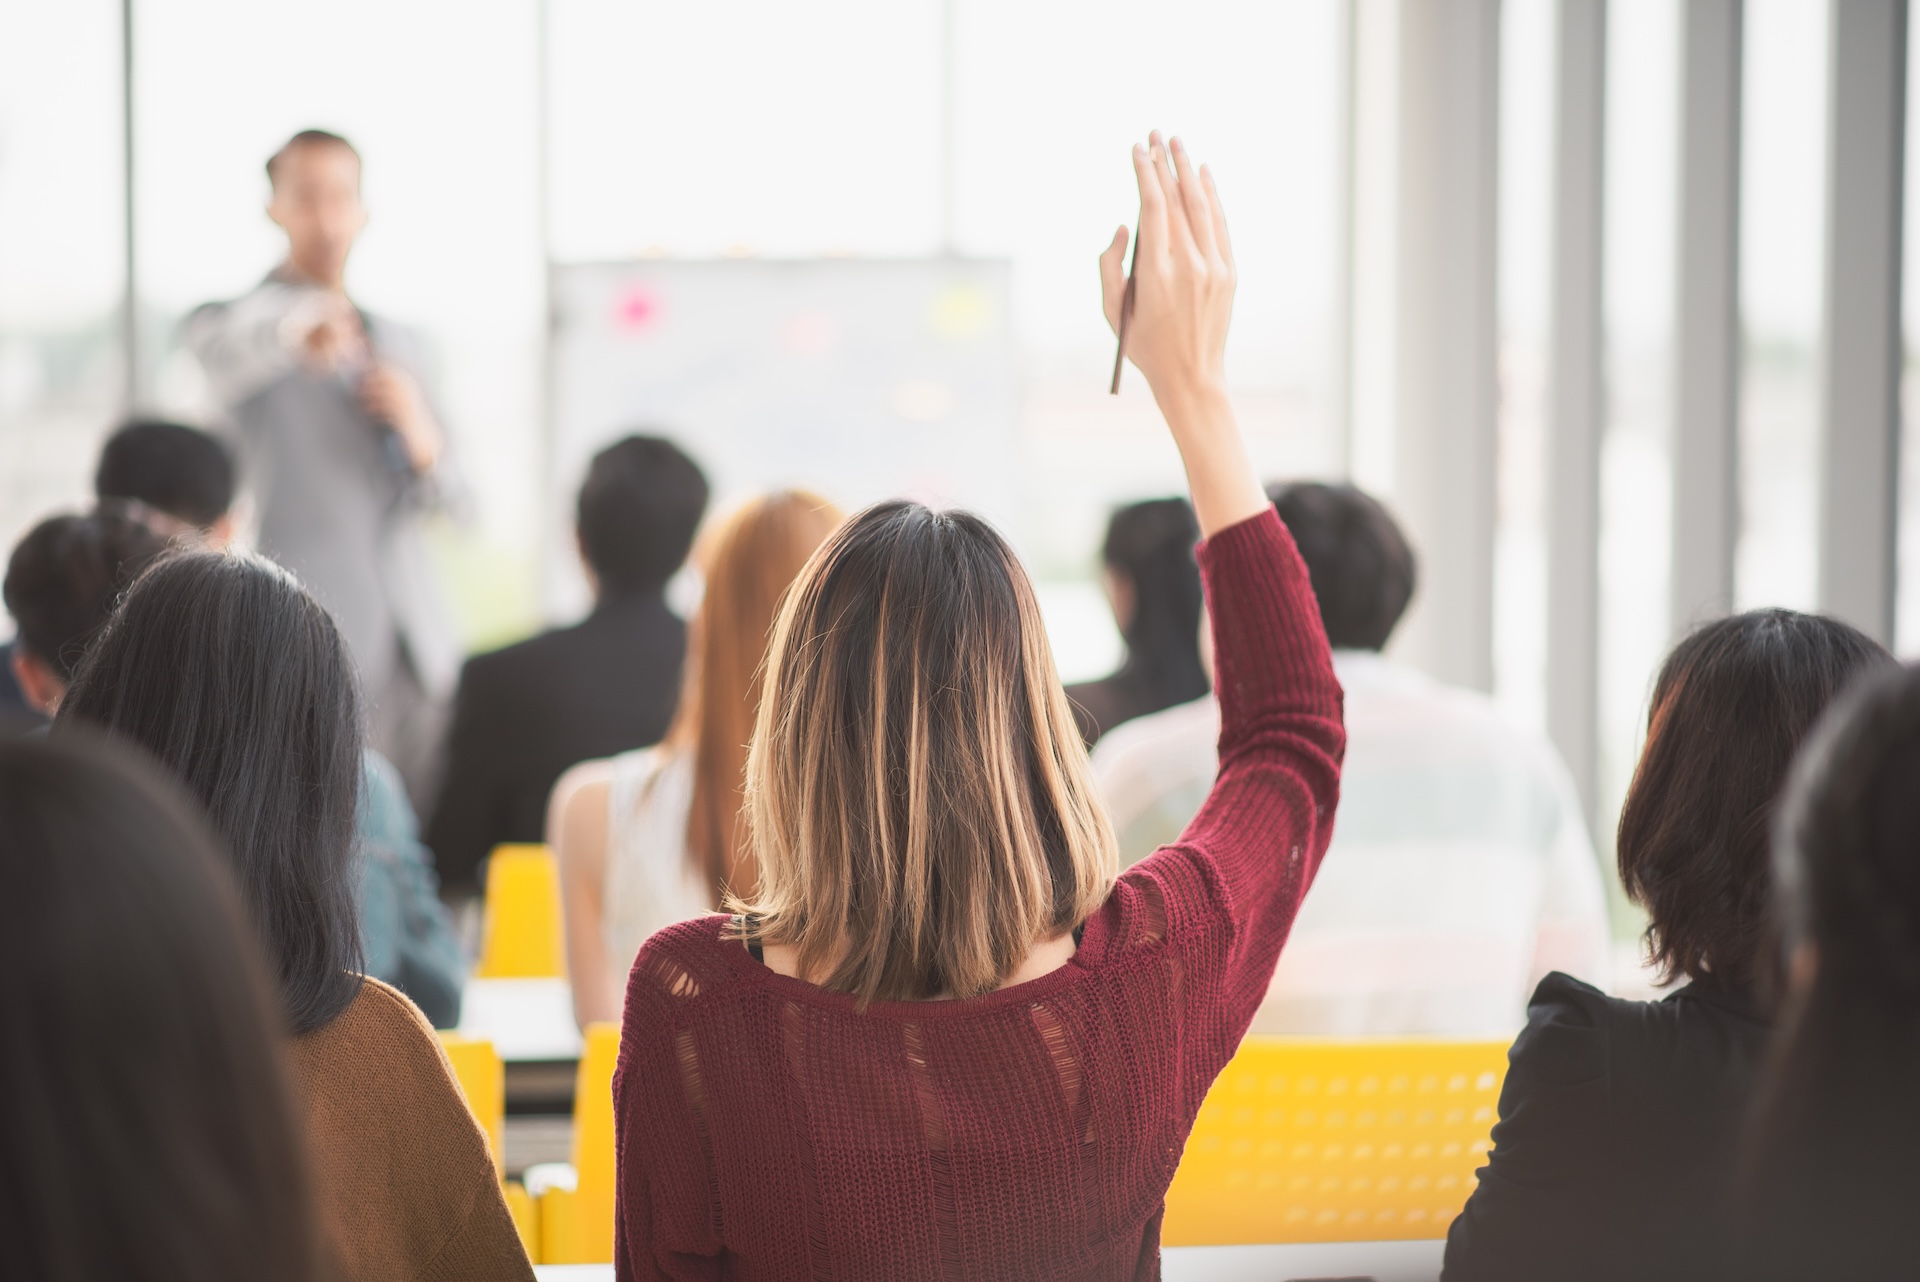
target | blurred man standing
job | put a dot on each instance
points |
(341, 448)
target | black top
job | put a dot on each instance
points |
(1617, 1131)
(524, 714)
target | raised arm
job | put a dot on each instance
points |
(1258, 839)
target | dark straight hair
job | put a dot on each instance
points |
(228, 672)
(1730, 707)
(1831, 1182)
(147, 1133)
(1151, 542)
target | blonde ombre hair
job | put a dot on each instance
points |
(918, 797)
(748, 561)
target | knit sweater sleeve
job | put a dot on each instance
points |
(1234, 881)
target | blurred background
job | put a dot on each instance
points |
(1405, 184)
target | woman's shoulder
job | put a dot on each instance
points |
(381, 1030)
(684, 964)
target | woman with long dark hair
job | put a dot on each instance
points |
(1833, 1183)
(1153, 585)
(944, 1036)
(236, 680)
(1619, 1120)
(147, 1132)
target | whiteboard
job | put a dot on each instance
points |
(859, 378)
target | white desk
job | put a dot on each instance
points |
(525, 1019)
(1382, 1261)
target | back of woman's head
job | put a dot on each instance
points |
(146, 1131)
(1730, 707)
(919, 799)
(748, 561)
(236, 679)
(1150, 543)
(1837, 1121)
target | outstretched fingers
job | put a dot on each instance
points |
(1220, 238)
(1152, 231)
(1194, 199)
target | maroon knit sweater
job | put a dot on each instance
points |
(766, 1129)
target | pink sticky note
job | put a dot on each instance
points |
(637, 309)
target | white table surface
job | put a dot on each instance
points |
(1383, 1261)
(525, 1019)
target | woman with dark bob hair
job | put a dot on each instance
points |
(1619, 1119)
(1833, 1182)
(236, 680)
(147, 1132)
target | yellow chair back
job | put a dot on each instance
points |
(578, 1228)
(1320, 1141)
(521, 934)
(483, 1081)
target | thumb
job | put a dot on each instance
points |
(1113, 276)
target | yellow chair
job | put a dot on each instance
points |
(483, 1080)
(577, 1227)
(1321, 1141)
(526, 1218)
(521, 935)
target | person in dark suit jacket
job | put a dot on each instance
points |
(1620, 1121)
(524, 714)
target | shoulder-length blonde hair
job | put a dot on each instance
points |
(748, 560)
(918, 794)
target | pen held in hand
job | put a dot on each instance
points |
(1126, 313)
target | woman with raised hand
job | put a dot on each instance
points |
(656, 836)
(1620, 1120)
(942, 1038)
(236, 680)
(1831, 1181)
(147, 1132)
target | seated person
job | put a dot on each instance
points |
(1838, 1122)
(655, 836)
(183, 477)
(180, 481)
(1620, 1120)
(1153, 585)
(235, 679)
(1461, 872)
(62, 583)
(147, 1131)
(605, 685)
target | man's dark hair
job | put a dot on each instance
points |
(639, 508)
(306, 138)
(235, 679)
(1363, 569)
(1729, 709)
(172, 468)
(148, 1127)
(65, 577)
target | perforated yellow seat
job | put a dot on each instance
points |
(483, 1080)
(521, 936)
(576, 1226)
(1321, 1141)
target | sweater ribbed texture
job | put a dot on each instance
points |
(767, 1129)
(404, 1185)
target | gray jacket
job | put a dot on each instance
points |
(338, 504)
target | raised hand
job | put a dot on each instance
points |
(1183, 280)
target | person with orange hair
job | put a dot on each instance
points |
(655, 836)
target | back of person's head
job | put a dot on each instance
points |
(918, 795)
(1149, 547)
(1837, 1118)
(236, 679)
(303, 139)
(176, 470)
(1730, 708)
(1362, 567)
(146, 1131)
(749, 561)
(65, 576)
(638, 510)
